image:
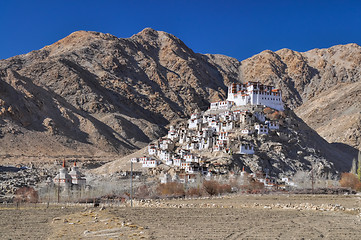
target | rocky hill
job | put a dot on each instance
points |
(95, 94)
(323, 86)
(293, 147)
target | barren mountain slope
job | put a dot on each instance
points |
(322, 85)
(92, 93)
(336, 113)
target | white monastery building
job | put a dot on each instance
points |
(255, 93)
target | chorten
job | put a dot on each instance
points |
(76, 176)
(63, 178)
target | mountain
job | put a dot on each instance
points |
(93, 94)
(323, 86)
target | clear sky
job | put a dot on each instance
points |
(238, 29)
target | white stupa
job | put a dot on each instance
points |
(76, 176)
(63, 178)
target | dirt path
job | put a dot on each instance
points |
(29, 222)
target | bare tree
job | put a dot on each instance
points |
(302, 179)
(354, 166)
(359, 166)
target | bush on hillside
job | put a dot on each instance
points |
(350, 180)
(171, 189)
(214, 187)
(196, 192)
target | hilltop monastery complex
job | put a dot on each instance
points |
(222, 128)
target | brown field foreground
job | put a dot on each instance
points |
(274, 216)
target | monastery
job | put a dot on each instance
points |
(255, 93)
(225, 127)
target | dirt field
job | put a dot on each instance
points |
(235, 217)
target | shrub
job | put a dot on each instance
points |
(255, 185)
(224, 188)
(143, 192)
(171, 189)
(211, 187)
(267, 110)
(350, 180)
(195, 192)
(26, 194)
(274, 116)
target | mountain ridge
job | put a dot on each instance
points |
(104, 95)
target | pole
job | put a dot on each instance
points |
(58, 192)
(131, 183)
(312, 180)
(48, 184)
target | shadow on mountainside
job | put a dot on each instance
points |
(45, 104)
(32, 110)
(341, 155)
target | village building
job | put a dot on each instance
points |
(178, 162)
(273, 125)
(205, 143)
(246, 117)
(247, 131)
(226, 116)
(246, 148)
(191, 158)
(268, 182)
(150, 163)
(164, 155)
(223, 136)
(215, 125)
(221, 105)
(192, 146)
(288, 182)
(152, 149)
(261, 129)
(227, 126)
(166, 144)
(260, 116)
(173, 134)
(195, 121)
(210, 118)
(169, 162)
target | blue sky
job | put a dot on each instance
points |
(238, 29)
